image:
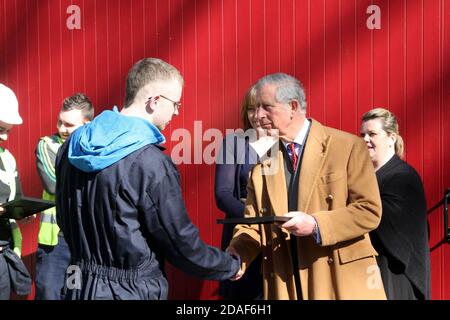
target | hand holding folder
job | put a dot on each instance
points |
(255, 220)
(23, 207)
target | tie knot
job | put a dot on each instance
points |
(292, 150)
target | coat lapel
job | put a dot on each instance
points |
(276, 183)
(314, 155)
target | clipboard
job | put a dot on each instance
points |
(254, 220)
(24, 207)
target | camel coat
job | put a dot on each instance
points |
(338, 187)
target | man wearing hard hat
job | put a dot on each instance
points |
(13, 273)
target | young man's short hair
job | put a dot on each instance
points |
(146, 71)
(79, 101)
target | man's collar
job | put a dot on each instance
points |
(301, 135)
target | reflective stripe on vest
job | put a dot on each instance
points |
(9, 177)
(48, 230)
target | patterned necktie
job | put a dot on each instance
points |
(292, 150)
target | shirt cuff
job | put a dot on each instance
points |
(316, 233)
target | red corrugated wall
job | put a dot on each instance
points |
(221, 47)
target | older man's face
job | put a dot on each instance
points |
(270, 113)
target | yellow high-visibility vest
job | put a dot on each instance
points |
(49, 229)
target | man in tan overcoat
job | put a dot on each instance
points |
(326, 183)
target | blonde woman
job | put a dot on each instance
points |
(401, 239)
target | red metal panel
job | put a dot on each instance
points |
(317, 96)
(90, 50)
(244, 57)
(348, 65)
(271, 22)
(444, 125)
(414, 83)
(257, 38)
(364, 58)
(302, 40)
(101, 50)
(380, 54)
(397, 61)
(431, 156)
(125, 53)
(222, 47)
(115, 78)
(286, 34)
(332, 63)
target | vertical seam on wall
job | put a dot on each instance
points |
(38, 49)
(442, 26)
(96, 52)
(264, 37)
(325, 100)
(372, 66)
(119, 32)
(356, 61)
(294, 35)
(72, 54)
(236, 86)
(131, 34)
(389, 54)
(61, 57)
(107, 53)
(279, 36)
(340, 65)
(50, 59)
(422, 86)
(309, 51)
(405, 65)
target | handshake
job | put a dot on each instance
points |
(240, 272)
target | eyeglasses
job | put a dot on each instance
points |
(176, 104)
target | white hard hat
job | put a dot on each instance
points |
(9, 106)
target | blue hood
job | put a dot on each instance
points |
(109, 138)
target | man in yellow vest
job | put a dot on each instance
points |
(14, 275)
(53, 255)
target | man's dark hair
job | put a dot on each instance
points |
(79, 101)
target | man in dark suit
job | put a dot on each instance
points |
(119, 200)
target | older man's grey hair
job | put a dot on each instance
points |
(288, 88)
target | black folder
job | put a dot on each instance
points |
(254, 220)
(24, 206)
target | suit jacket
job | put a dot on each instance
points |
(337, 186)
(402, 236)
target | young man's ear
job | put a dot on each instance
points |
(150, 105)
